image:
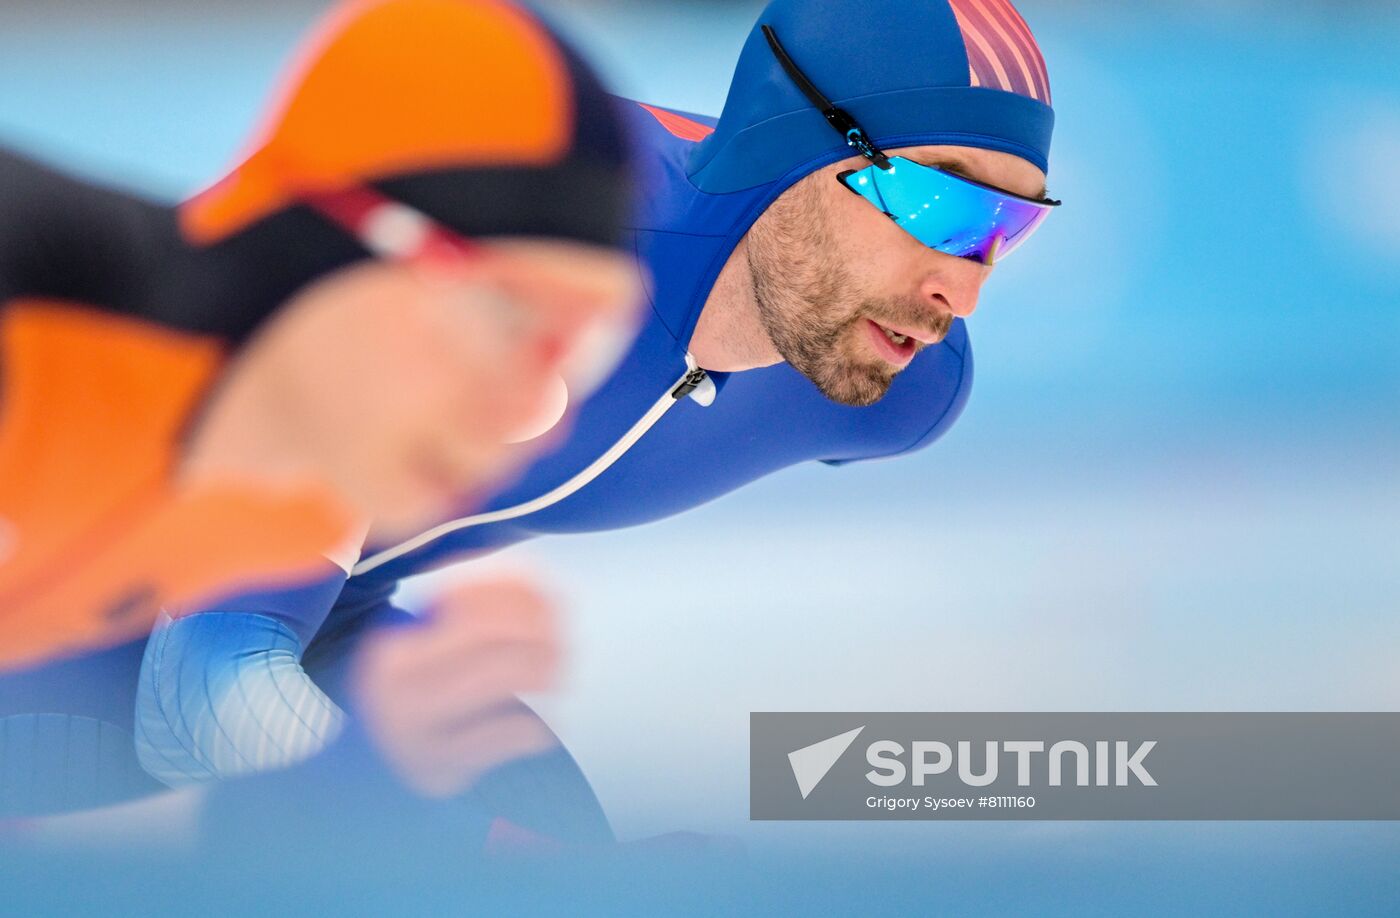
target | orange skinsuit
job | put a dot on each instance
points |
(117, 315)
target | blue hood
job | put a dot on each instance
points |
(901, 68)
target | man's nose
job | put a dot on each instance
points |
(953, 284)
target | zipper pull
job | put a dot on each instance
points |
(696, 383)
(692, 381)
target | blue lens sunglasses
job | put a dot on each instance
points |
(946, 212)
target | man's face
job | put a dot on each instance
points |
(407, 386)
(833, 277)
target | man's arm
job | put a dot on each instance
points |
(222, 691)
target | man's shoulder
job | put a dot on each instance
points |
(663, 140)
(655, 123)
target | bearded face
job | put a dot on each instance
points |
(816, 307)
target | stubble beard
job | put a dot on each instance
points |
(808, 302)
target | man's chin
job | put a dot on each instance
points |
(856, 387)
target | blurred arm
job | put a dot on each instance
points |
(222, 692)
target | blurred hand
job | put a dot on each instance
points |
(439, 698)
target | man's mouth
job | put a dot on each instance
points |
(893, 346)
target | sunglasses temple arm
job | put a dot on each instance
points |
(837, 117)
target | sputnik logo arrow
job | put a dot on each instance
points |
(811, 763)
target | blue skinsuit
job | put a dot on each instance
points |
(208, 680)
(759, 421)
